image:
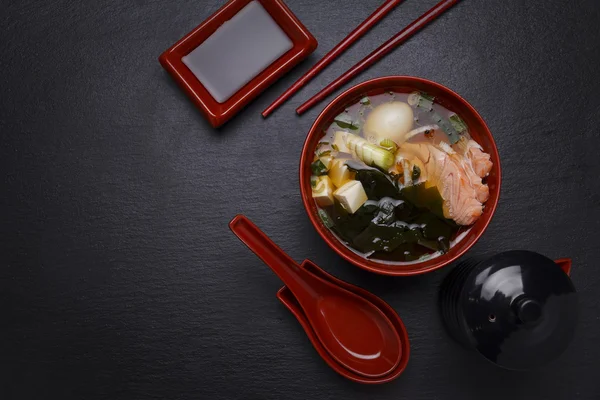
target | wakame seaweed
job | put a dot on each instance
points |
(384, 226)
(377, 184)
(426, 197)
(345, 121)
(349, 225)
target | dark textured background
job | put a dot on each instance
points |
(119, 278)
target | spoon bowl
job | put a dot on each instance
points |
(357, 334)
(289, 301)
(353, 330)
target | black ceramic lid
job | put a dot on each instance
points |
(520, 309)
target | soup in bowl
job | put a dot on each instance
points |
(400, 175)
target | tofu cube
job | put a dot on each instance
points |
(340, 142)
(351, 196)
(322, 193)
(339, 173)
(327, 161)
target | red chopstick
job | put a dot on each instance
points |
(379, 53)
(352, 37)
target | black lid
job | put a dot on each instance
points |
(520, 309)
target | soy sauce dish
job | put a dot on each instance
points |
(400, 175)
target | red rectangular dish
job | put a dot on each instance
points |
(302, 44)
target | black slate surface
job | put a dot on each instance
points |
(119, 278)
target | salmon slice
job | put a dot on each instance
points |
(471, 150)
(454, 176)
(482, 191)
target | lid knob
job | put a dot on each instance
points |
(528, 310)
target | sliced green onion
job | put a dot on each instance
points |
(421, 100)
(314, 180)
(320, 144)
(447, 127)
(413, 99)
(370, 154)
(318, 168)
(425, 104)
(327, 221)
(365, 101)
(458, 123)
(427, 96)
(389, 145)
(335, 147)
(325, 153)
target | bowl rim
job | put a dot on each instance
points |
(416, 268)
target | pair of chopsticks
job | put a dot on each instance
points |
(366, 62)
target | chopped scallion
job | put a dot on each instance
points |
(318, 168)
(370, 154)
(389, 145)
(314, 180)
(327, 221)
(421, 100)
(458, 123)
(447, 127)
(321, 144)
(427, 96)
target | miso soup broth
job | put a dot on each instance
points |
(397, 177)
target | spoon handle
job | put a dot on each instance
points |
(282, 264)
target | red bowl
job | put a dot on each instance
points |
(446, 97)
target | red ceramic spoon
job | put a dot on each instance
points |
(355, 332)
(287, 298)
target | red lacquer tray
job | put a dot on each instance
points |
(218, 113)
